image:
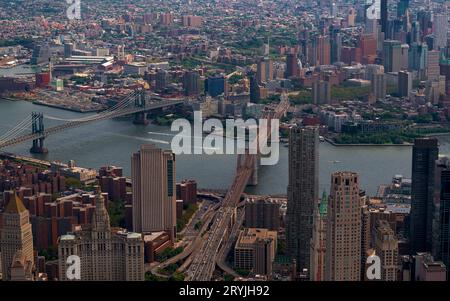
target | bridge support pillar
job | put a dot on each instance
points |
(38, 128)
(140, 118)
(253, 181)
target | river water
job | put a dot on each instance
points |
(111, 142)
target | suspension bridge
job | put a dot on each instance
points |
(137, 103)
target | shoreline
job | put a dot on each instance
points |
(330, 141)
(40, 103)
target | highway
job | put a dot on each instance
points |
(205, 259)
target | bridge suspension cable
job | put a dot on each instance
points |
(19, 128)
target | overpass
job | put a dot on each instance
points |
(212, 250)
(137, 103)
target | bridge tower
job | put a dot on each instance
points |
(140, 102)
(38, 128)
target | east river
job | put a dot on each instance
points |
(112, 142)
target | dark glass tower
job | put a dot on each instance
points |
(441, 231)
(302, 193)
(425, 154)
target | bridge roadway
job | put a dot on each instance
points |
(204, 261)
(100, 117)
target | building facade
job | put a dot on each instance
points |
(154, 190)
(105, 254)
(302, 193)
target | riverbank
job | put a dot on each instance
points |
(329, 140)
(63, 107)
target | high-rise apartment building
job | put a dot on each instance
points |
(105, 255)
(379, 85)
(262, 213)
(291, 65)
(386, 247)
(321, 92)
(424, 155)
(343, 248)
(154, 190)
(191, 83)
(302, 193)
(16, 239)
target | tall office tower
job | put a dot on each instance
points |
(392, 53)
(16, 239)
(154, 190)
(402, 7)
(162, 79)
(440, 29)
(433, 70)
(418, 56)
(105, 254)
(405, 82)
(343, 249)
(302, 193)
(424, 18)
(441, 232)
(321, 92)
(379, 85)
(318, 242)
(424, 156)
(384, 15)
(191, 83)
(323, 50)
(386, 247)
(415, 33)
(404, 57)
(291, 65)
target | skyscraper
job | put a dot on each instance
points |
(302, 192)
(318, 242)
(440, 29)
(424, 155)
(386, 247)
(392, 52)
(379, 85)
(154, 190)
(321, 92)
(343, 247)
(384, 15)
(105, 254)
(404, 83)
(291, 65)
(441, 232)
(191, 83)
(16, 239)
